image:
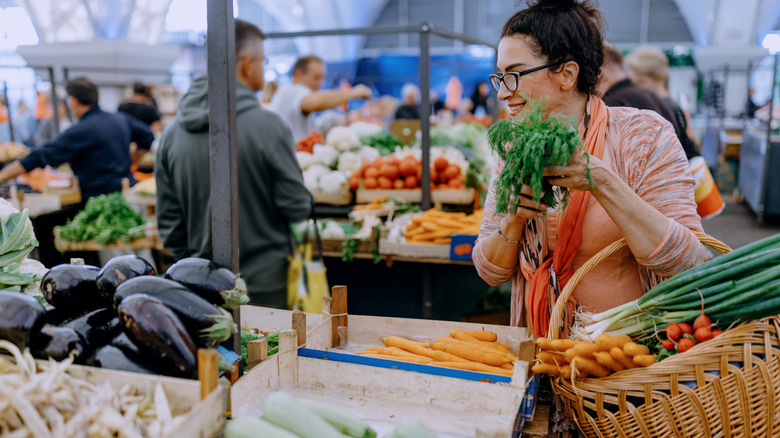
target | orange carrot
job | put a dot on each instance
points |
(421, 360)
(471, 366)
(472, 354)
(546, 368)
(450, 341)
(405, 344)
(463, 336)
(507, 366)
(644, 360)
(478, 334)
(589, 367)
(544, 344)
(618, 355)
(442, 356)
(606, 359)
(633, 349)
(550, 357)
(393, 351)
(563, 344)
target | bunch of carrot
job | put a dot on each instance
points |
(580, 359)
(436, 227)
(464, 350)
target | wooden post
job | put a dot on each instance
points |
(339, 314)
(77, 261)
(208, 371)
(288, 340)
(299, 325)
(256, 352)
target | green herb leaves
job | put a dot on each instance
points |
(105, 219)
(527, 146)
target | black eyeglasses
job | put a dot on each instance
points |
(512, 79)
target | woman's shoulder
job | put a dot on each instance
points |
(631, 127)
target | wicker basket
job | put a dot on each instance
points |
(726, 387)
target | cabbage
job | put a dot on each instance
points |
(342, 138)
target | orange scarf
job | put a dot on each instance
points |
(553, 274)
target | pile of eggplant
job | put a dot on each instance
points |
(124, 316)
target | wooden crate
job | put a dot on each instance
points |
(148, 242)
(453, 196)
(450, 405)
(343, 197)
(205, 418)
(438, 196)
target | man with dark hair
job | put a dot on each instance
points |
(296, 102)
(271, 193)
(140, 106)
(616, 89)
(97, 146)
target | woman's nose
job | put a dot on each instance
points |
(504, 93)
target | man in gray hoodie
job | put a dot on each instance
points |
(271, 194)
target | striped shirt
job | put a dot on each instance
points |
(646, 154)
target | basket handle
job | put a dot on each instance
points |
(557, 314)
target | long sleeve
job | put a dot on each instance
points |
(663, 179)
(170, 215)
(289, 194)
(488, 271)
(139, 132)
(58, 151)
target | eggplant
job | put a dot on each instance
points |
(113, 358)
(97, 327)
(58, 343)
(120, 269)
(21, 318)
(207, 324)
(215, 284)
(72, 287)
(124, 343)
(157, 331)
(56, 316)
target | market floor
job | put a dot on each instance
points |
(737, 225)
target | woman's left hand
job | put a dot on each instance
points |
(575, 174)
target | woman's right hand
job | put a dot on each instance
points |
(512, 226)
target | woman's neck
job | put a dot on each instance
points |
(574, 106)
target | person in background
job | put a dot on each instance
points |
(410, 103)
(97, 147)
(296, 102)
(271, 193)
(141, 106)
(648, 67)
(25, 123)
(47, 130)
(617, 89)
(269, 90)
(436, 103)
(480, 106)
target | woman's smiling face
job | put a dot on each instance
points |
(515, 53)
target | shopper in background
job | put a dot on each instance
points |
(634, 184)
(269, 89)
(649, 68)
(97, 147)
(141, 106)
(47, 130)
(436, 103)
(410, 103)
(271, 193)
(296, 102)
(617, 89)
(480, 105)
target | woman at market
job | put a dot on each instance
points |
(641, 189)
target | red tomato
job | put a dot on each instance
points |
(370, 183)
(411, 182)
(441, 163)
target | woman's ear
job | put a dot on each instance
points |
(568, 75)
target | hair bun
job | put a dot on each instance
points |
(553, 4)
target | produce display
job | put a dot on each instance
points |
(17, 240)
(740, 286)
(10, 151)
(285, 416)
(405, 171)
(124, 316)
(104, 219)
(147, 187)
(433, 227)
(526, 147)
(463, 350)
(306, 144)
(44, 400)
(581, 359)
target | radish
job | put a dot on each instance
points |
(686, 329)
(673, 332)
(703, 334)
(685, 344)
(702, 320)
(669, 344)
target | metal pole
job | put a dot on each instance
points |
(494, 93)
(768, 154)
(425, 111)
(54, 100)
(8, 107)
(221, 58)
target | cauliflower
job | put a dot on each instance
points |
(364, 129)
(305, 159)
(331, 230)
(30, 266)
(311, 176)
(6, 209)
(332, 182)
(343, 138)
(349, 162)
(368, 154)
(325, 155)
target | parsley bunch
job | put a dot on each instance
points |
(527, 146)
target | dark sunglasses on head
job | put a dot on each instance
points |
(512, 79)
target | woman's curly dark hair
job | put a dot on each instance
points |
(564, 30)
